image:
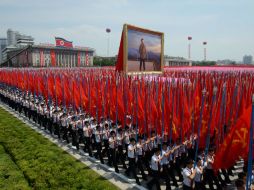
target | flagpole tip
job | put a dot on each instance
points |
(215, 90)
(204, 91)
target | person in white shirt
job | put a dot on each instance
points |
(188, 175)
(165, 152)
(98, 140)
(199, 174)
(87, 138)
(155, 166)
(120, 137)
(132, 160)
(126, 138)
(140, 154)
(209, 173)
(105, 137)
(112, 150)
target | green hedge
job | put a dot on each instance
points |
(44, 165)
(10, 175)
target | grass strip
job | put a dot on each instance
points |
(43, 164)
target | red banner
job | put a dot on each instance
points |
(42, 58)
(79, 61)
(53, 58)
(87, 59)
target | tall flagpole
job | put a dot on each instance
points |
(189, 50)
(249, 171)
(204, 43)
(200, 124)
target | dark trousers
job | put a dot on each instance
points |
(65, 134)
(106, 149)
(98, 153)
(87, 147)
(210, 177)
(185, 187)
(140, 166)
(146, 161)
(142, 62)
(75, 142)
(172, 174)
(155, 180)
(132, 168)
(199, 186)
(178, 168)
(113, 158)
(121, 155)
(165, 176)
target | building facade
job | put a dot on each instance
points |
(48, 56)
(247, 59)
(175, 61)
(3, 44)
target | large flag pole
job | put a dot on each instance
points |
(200, 124)
(249, 171)
(215, 89)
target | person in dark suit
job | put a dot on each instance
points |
(142, 55)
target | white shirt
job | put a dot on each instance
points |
(97, 136)
(155, 162)
(198, 174)
(131, 151)
(139, 149)
(119, 139)
(105, 134)
(164, 160)
(186, 174)
(112, 142)
(210, 160)
(127, 138)
(63, 122)
(86, 131)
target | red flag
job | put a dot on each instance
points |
(61, 42)
(87, 59)
(79, 59)
(42, 58)
(53, 58)
(235, 144)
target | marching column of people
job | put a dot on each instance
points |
(154, 155)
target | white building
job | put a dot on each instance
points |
(247, 59)
(3, 44)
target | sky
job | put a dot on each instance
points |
(226, 25)
(151, 41)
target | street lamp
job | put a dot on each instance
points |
(108, 30)
(204, 43)
(189, 50)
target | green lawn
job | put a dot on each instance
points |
(33, 162)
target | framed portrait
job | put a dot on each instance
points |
(143, 50)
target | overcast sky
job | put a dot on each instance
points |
(226, 25)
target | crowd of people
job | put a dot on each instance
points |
(153, 155)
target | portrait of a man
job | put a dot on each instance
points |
(144, 50)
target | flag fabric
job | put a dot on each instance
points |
(235, 144)
(53, 58)
(61, 42)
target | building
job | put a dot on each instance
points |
(49, 55)
(3, 44)
(175, 61)
(15, 40)
(247, 59)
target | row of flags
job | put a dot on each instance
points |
(177, 104)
